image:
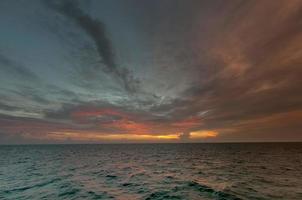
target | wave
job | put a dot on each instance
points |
(33, 186)
(70, 192)
(181, 192)
(163, 195)
(219, 195)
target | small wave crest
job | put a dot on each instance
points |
(38, 185)
(188, 189)
(204, 189)
(162, 195)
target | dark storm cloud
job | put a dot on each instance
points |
(97, 32)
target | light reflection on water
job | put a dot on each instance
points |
(152, 171)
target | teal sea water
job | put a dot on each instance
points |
(152, 171)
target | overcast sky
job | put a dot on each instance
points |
(150, 71)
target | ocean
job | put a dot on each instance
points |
(151, 171)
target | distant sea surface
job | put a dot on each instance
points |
(152, 171)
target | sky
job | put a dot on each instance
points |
(129, 71)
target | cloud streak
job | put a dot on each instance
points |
(13, 68)
(97, 31)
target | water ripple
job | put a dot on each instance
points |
(151, 172)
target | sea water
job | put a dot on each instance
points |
(151, 171)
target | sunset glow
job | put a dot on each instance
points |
(203, 134)
(184, 71)
(151, 99)
(95, 137)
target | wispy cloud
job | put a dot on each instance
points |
(96, 29)
(14, 68)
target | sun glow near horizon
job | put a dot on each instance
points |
(95, 136)
(203, 134)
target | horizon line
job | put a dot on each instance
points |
(143, 143)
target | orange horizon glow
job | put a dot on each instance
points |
(203, 134)
(110, 137)
(96, 136)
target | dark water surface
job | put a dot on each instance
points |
(152, 171)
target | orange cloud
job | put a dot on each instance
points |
(128, 126)
(188, 123)
(203, 134)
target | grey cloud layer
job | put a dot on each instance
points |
(229, 66)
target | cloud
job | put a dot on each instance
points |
(97, 31)
(13, 68)
(4, 106)
(185, 136)
(219, 71)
